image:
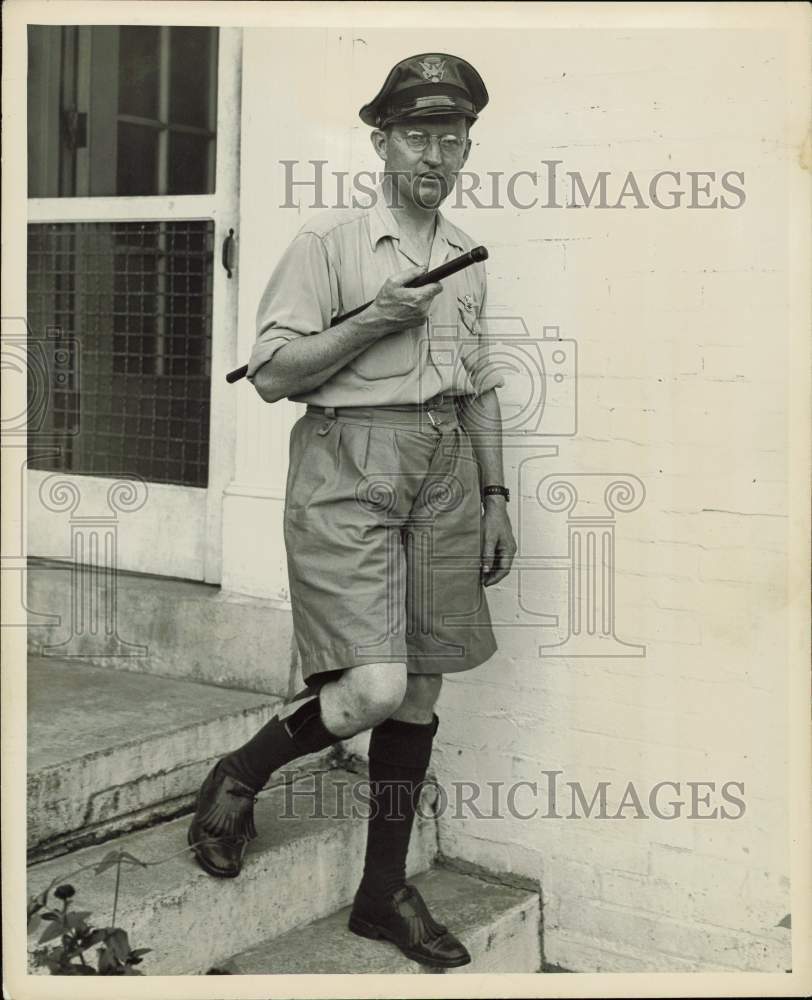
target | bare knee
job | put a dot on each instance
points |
(372, 692)
(381, 691)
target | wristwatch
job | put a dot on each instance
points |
(502, 491)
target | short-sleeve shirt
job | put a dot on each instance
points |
(338, 261)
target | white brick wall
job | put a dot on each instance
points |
(681, 319)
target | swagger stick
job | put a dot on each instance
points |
(443, 271)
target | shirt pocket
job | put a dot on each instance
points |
(392, 355)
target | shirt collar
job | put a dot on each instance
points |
(448, 232)
(382, 223)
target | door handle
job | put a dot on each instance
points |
(228, 253)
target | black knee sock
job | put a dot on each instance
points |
(279, 742)
(399, 755)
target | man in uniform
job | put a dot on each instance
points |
(395, 512)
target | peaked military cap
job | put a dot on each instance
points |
(432, 83)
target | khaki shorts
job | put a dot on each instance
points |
(383, 536)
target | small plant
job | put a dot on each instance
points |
(114, 956)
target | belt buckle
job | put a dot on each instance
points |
(436, 403)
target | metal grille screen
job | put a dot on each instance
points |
(120, 324)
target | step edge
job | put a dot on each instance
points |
(95, 755)
(527, 902)
(276, 790)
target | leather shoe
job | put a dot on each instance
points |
(223, 823)
(404, 919)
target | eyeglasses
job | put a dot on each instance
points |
(450, 145)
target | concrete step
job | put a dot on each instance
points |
(171, 628)
(305, 864)
(110, 750)
(499, 926)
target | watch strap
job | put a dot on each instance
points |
(496, 490)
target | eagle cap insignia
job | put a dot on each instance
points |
(433, 69)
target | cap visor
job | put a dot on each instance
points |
(438, 112)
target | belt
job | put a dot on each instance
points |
(438, 410)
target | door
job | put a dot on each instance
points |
(132, 211)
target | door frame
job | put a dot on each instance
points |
(222, 207)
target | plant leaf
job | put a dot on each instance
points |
(113, 858)
(126, 856)
(37, 902)
(76, 919)
(51, 932)
(73, 952)
(54, 965)
(141, 951)
(95, 938)
(119, 944)
(110, 859)
(106, 960)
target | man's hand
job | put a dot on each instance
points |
(498, 544)
(396, 307)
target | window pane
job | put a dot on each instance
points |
(137, 159)
(191, 76)
(125, 386)
(189, 164)
(87, 83)
(138, 79)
